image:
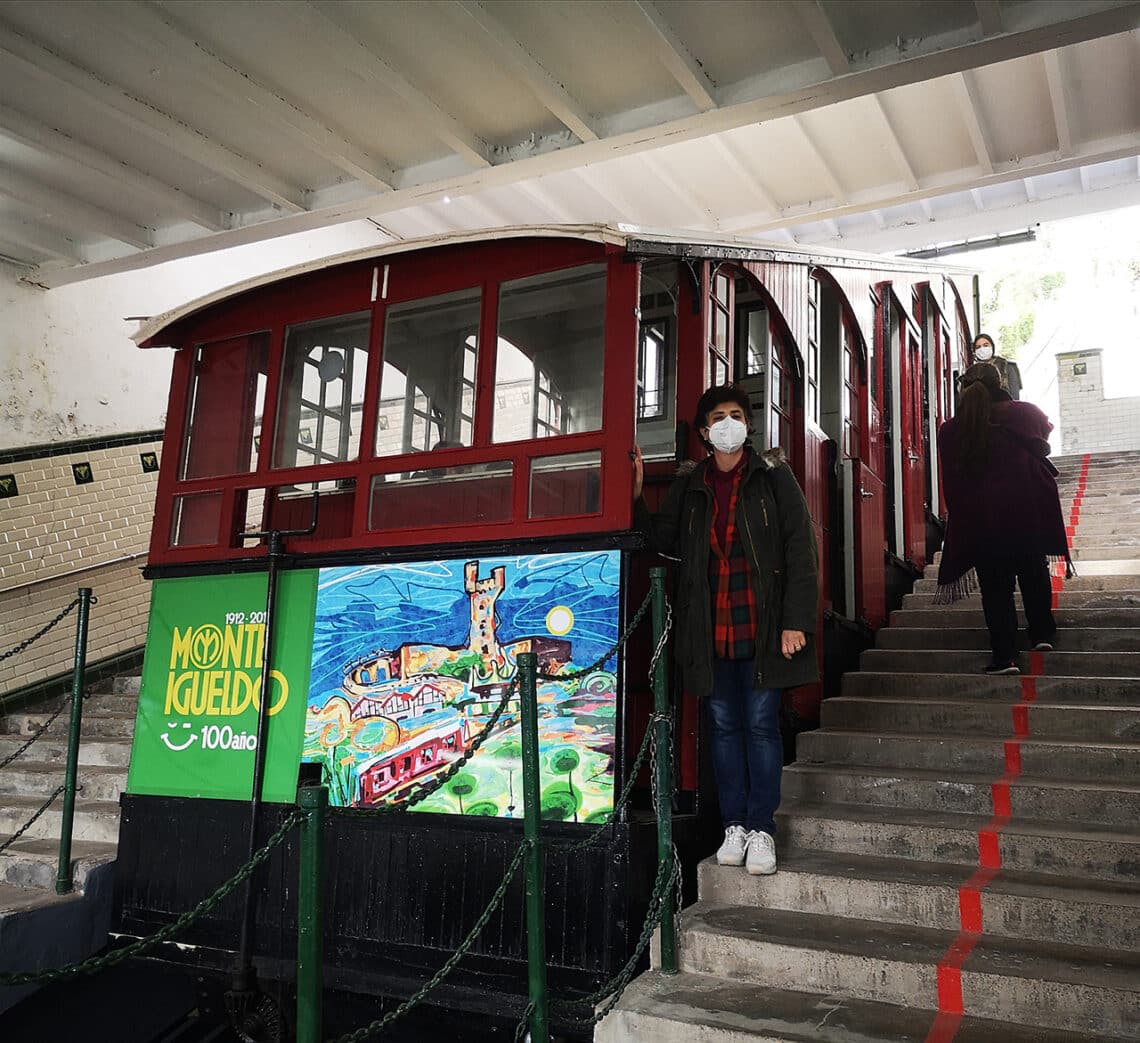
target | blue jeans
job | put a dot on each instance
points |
(747, 751)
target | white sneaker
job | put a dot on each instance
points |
(731, 852)
(761, 854)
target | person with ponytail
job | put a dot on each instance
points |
(746, 606)
(1004, 520)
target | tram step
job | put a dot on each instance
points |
(104, 725)
(1062, 800)
(1066, 599)
(1110, 853)
(1035, 906)
(1042, 758)
(989, 717)
(33, 863)
(97, 782)
(53, 749)
(1086, 581)
(94, 819)
(1112, 691)
(953, 661)
(1046, 985)
(1086, 639)
(699, 1008)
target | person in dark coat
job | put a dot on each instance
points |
(984, 351)
(1004, 513)
(745, 608)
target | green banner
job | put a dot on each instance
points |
(196, 729)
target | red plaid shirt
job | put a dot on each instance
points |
(734, 609)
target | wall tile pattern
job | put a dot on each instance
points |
(1090, 422)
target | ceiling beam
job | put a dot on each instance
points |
(161, 28)
(989, 16)
(545, 87)
(54, 143)
(965, 88)
(325, 22)
(612, 195)
(927, 209)
(894, 144)
(25, 235)
(1056, 74)
(1085, 182)
(976, 196)
(727, 153)
(752, 102)
(143, 118)
(61, 210)
(817, 22)
(838, 193)
(685, 197)
(675, 56)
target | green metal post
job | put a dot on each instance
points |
(664, 780)
(63, 879)
(532, 819)
(310, 914)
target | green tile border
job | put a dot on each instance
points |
(81, 445)
(19, 699)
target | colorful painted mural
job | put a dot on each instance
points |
(410, 661)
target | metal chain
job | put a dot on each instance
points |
(98, 963)
(464, 947)
(28, 825)
(39, 633)
(437, 783)
(572, 675)
(43, 728)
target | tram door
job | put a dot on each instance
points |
(912, 449)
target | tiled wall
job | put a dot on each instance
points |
(1091, 423)
(51, 525)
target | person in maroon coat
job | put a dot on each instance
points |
(1005, 522)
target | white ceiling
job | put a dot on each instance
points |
(137, 132)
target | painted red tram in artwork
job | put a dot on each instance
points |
(433, 441)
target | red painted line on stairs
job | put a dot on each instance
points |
(948, 973)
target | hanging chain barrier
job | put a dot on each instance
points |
(36, 734)
(127, 952)
(27, 643)
(464, 947)
(28, 825)
(597, 664)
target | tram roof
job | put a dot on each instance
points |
(638, 240)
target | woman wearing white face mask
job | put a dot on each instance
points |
(746, 603)
(1007, 369)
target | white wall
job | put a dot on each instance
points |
(1090, 422)
(68, 368)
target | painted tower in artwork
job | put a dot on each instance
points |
(483, 593)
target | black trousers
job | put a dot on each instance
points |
(996, 578)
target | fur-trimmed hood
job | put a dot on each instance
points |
(769, 459)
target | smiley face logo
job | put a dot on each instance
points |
(190, 740)
(206, 646)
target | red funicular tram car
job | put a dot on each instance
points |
(462, 413)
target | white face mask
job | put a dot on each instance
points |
(728, 434)
(983, 353)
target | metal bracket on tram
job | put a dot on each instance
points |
(254, 1015)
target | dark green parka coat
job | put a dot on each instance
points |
(773, 521)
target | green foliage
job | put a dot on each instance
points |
(565, 760)
(485, 808)
(1015, 336)
(461, 667)
(1051, 282)
(559, 805)
(463, 785)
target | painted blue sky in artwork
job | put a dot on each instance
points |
(364, 608)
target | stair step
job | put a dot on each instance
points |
(698, 1008)
(53, 750)
(33, 863)
(1036, 906)
(988, 717)
(1059, 800)
(96, 781)
(1026, 845)
(1088, 580)
(971, 617)
(1118, 762)
(94, 819)
(951, 661)
(1087, 640)
(1081, 691)
(1069, 988)
(95, 724)
(1067, 599)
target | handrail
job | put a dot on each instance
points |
(39, 581)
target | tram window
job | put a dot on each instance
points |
(813, 341)
(196, 520)
(427, 384)
(322, 391)
(657, 361)
(550, 354)
(780, 400)
(562, 485)
(720, 329)
(442, 496)
(227, 398)
(756, 346)
(851, 446)
(291, 507)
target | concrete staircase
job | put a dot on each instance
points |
(959, 854)
(39, 928)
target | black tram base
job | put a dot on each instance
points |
(402, 892)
